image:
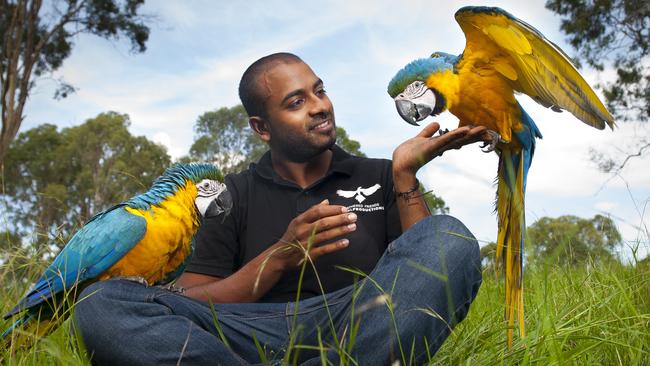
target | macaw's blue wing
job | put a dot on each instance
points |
(104, 240)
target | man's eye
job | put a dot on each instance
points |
(296, 103)
(321, 92)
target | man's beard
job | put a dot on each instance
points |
(299, 150)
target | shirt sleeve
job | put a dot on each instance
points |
(216, 242)
(393, 225)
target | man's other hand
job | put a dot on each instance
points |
(312, 233)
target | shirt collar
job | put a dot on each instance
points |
(342, 162)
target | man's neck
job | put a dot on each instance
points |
(303, 174)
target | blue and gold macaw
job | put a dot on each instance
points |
(503, 55)
(147, 238)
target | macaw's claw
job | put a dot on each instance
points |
(173, 288)
(138, 279)
(442, 132)
(494, 139)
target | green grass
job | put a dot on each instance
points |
(593, 315)
(597, 314)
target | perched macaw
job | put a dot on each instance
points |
(502, 55)
(147, 238)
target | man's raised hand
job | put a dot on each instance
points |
(311, 233)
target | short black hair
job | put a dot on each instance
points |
(249, 90)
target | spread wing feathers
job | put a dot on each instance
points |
(370, 190)
(534, 65)
(347, 194)
(510, 239)
(105, 239)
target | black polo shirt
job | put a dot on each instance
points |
(264, 204)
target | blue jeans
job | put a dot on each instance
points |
(421, 287)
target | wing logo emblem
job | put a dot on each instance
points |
(360, 194)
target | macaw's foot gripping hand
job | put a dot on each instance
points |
(138, 279)
(490, 143)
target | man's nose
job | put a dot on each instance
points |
(319, 105)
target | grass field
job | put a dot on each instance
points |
(594, 314)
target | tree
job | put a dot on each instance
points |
(346, 143)
(223, 137)
(35, 40)
(488, 255)
(572, 239)
(613, 33)
(435, 204)
(55, 181)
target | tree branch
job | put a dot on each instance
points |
(630, 156)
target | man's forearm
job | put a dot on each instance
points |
(248, 284)
(412, 207)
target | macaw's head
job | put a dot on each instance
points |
(414, 99)
(212, 197)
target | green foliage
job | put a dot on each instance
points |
(488, 255)
(55, 181)
(37, 39)
(224, 137)
(435, 204)
(571, 240)
(346, 143)
(583, 315)
(615, 32)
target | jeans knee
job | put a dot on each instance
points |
(450, 233)
(98, 298)
(450, 240)
(87, 303)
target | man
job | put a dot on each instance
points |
(306, 205)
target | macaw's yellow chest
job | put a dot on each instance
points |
(167, 241)
(484, 98)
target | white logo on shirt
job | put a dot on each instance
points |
(360, 194)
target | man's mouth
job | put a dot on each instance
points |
(321, 126)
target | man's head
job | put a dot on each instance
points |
(288, 107)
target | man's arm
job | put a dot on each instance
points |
(311, 232)
(414, 153)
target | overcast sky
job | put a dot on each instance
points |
(198, 50)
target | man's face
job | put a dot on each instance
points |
(300, 115)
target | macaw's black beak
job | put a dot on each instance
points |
(412, 112)
(407, 111)
(220, 205)
(415, 109)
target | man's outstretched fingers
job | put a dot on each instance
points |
(334, 232)
(429, 129)
(328, 248)
(321, 210)
(334, 221)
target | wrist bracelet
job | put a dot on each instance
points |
(407, 195)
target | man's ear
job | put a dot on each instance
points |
(261, 127)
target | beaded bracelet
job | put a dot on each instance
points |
(408, 194)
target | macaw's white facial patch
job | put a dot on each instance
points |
(416, 102)
(207, 192)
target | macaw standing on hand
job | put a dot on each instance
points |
(502, 55)
(147, 238)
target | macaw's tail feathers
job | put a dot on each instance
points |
(21, 333)
(510, 240)
(32, 325)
